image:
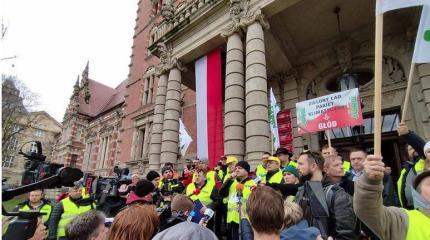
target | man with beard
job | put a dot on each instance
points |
(325, 205)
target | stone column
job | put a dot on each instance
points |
(157, 124)
(424, 76)
(234, 106)
(172, 110)
(256, 96)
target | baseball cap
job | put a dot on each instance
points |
(231, 159)
(272, 158)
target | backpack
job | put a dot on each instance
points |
(321, 202)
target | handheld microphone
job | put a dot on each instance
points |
(239, 189)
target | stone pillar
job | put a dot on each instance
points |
(172, 110)
(234, 106)
(424, 76)
(157, 124)
(256, 96)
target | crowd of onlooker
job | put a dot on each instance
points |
(316, 195)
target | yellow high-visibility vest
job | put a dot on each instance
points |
(260, 171)
(205, 193)
(275, 178)
(232, 204)
(418, 167)
(418, 226)
(45, 208)
(71, 210)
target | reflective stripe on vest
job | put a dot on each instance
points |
(261, 171)
(418, 226)
(205, 193)
(275, 178)
(71, 210)
(46, 208)
(232, 205)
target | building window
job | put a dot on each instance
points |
(87, 157)
(390, 121)
(37, 133)
(33, 147)
(8, 161)
(148, 90)
(104, 150)
(73, 160)
(13, 144)
(141, 143)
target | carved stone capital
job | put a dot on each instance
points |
(166, 66)
(256, 16)
(231, 28)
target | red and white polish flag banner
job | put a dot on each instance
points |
(342, 109)
(210, 143)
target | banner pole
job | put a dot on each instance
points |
(327, 133)
(378, 82)
(408, 92)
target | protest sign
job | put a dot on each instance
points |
(336, 110)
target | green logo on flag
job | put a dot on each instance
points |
(354, 108)
(427, 35)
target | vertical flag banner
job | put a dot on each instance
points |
(210, 137)
(422, 43)
(273, 112)
(184, 138)
(383, 6)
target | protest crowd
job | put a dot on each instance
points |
(315, 195)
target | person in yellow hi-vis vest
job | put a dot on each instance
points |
(237, 188)
(285, 156)
(205, 192)
(274, 173)
(392, 222)
(67, 209)
(261, 171)
(36, 201)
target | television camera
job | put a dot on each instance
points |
(105, 190)
(40, 175)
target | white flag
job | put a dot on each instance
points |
(422, 43)
(184, 138)
(273, 112)
(383, 6)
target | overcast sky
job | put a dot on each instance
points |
(53, 39)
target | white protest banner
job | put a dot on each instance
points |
(184, 138)
(336, 110)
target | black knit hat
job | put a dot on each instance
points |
(143, 188)
(166, 168)
(244, 165)
(152, 175)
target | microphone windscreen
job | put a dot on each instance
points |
(239, 187)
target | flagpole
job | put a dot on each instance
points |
(408, 92)
(327, 132)
(379, 23)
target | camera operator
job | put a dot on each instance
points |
(67, 209)
(36, 201)
(181, 207)
(142, 193)
(169, 185)
(153, 177)
(203, 190)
